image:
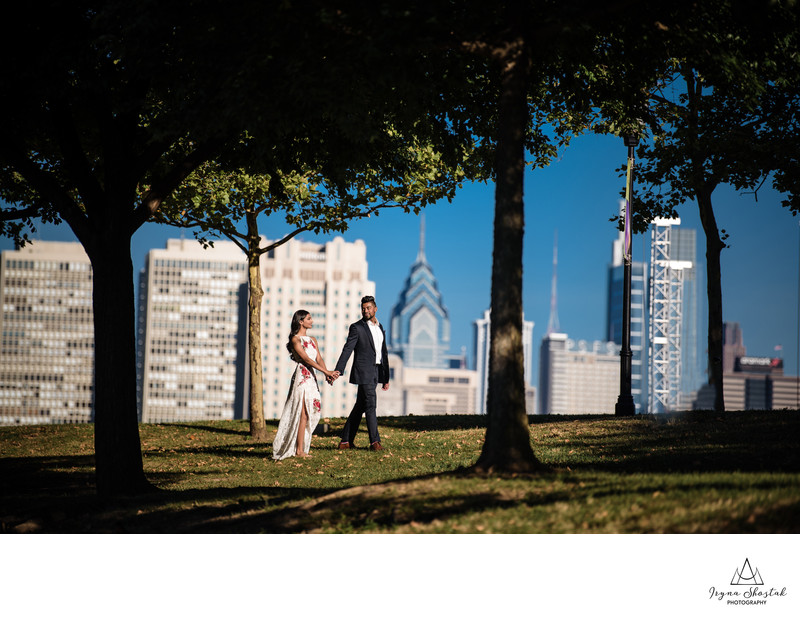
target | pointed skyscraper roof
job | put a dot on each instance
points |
(419, 331)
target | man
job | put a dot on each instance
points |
(367, 340)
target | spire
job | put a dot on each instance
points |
(552, 325)
(421, 255)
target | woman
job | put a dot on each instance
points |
(301, 412)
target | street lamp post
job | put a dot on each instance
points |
(625, 405)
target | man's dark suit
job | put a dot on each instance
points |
(367, 374)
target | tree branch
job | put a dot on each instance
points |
(75, 161)
(162, 188)
(754, 192)
(31, 212)
(46, 184)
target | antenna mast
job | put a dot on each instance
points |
(552, 325)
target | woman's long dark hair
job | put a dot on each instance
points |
(299, 315)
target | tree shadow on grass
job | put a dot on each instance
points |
(59, 497)
(420, 504)
(43, 490)
(434, 422)
(699, 446)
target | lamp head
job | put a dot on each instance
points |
(631, 139)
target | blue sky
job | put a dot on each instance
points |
(576, 196)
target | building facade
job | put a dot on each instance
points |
(193, 325)
(47, 346)
(749, 382)
(426, 391)
(732, 346)
(577, 377)
(328, 280)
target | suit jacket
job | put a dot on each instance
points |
(360, 341)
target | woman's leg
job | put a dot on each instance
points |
(301, 431)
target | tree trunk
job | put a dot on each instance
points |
(508, 443)
(714, 247)
(258, 428)
(118, 453)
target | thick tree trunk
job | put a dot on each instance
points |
(714, 247)
(508, 444)
(258, 428)
(118, 454)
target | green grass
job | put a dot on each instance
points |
(701, 473)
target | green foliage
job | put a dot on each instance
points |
(215, 198)
(723, 110)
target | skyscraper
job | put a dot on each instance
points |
(577, 377)
(190, 334)
(638, 310)
(426, 378)
(481, 335)
(732, 346)
(420, 325)
(47, 347)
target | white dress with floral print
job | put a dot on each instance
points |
(302, 390)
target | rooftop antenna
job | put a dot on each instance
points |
(552, 325)
(421, 255)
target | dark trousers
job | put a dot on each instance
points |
(366, 403)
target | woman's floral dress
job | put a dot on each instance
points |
(302, 390)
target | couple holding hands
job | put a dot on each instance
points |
(366, 339)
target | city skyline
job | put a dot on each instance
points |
(576, 196)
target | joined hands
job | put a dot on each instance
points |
(330, 379)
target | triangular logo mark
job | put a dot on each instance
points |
(746, 576)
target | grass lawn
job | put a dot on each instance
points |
(698, 473)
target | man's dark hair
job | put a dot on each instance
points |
(368, 299)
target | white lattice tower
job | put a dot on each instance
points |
(666, 319)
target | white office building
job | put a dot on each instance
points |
(577, 377)
(47, 346)
(327, 280)
(189, 332)
(192, 358)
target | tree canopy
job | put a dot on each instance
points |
(722, 114)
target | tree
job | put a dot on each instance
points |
(553, 65)
(717, 117)
(117, 103)
(83, 129)
(216, 201)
